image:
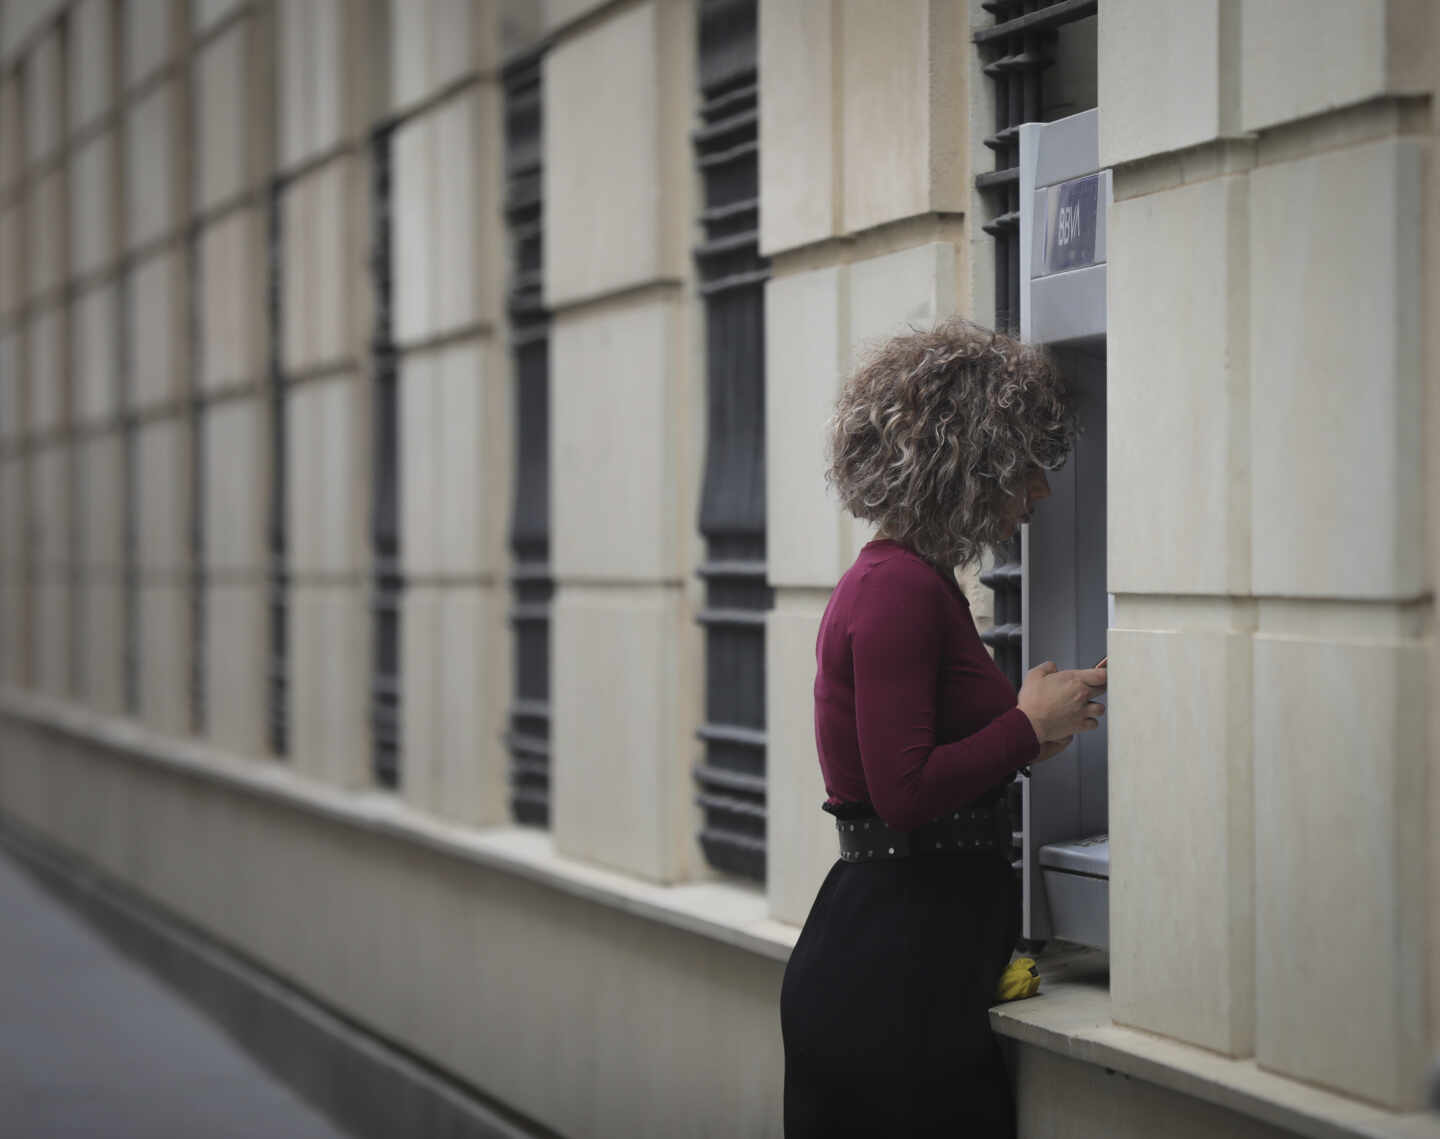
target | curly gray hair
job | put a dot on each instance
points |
(938, 428)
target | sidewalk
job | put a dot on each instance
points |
(93, 1047)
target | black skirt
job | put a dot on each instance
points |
(885, 1004)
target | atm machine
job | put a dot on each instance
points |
(1064, 202)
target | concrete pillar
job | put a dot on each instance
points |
(624, 444)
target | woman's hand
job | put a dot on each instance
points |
(1059, 704)
(1051, 749)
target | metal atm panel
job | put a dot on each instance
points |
(1063, 245)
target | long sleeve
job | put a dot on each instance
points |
(896, 634)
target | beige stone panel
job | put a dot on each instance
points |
(328, 491)
(422, 735)
(319, 269)
(613, 496)
(409, 44)
(604, 206)
(800, 838)
(1300, 58)
(207, 13)
(43, 78)
(163, 506)
(45, 370)
(164, 641)
(296, 275)
(1058, 1097)
(12, 158)
(12, 412)
(51, 629)
(895, 292)
(12, 282)
(471, 705)
(1178, 399)
(422, 498)
(412, 228)
(558, 13)
(233, 301)
(313, 81)
(462, 184)
(1335, 416)
(329, 683)
(93, 205)
(462, 450)
(222, 118)
(237, 490)
(296, 78)
(236, 667)
(152, 183)
(805, 358)
(463, 38)
(434, 43)
(101, 474)
(91, 61)
(449, 766)
(14, 619)
(95, 342)
(1182, 930)
(45, 240)
(1339, 807)
(49, 531)
(151, 35)
(1163, 80)
(904, 63)
(622, 737)
(155, 325)
(798, 202)
(13, 553)
(102, 610)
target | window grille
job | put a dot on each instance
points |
(125, 353)
(1014, 52)
(278, 670)
(388, 583)
(532, 587)
(731, 777)
(195, 342)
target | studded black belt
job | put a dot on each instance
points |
(970, 829)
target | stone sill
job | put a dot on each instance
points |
(730, 912)
(1071, 1017)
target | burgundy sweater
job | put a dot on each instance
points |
(911, 714)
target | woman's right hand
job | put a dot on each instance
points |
(1058, 703)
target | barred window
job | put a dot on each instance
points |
(731, 778)
(388, 582)
(277, 684)
(532, 586)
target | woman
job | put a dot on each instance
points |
(942, 439)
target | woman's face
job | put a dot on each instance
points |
(1018, 506)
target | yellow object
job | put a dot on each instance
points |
(1020, 980)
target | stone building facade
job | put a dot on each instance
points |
(413, 533)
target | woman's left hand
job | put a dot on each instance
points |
(1051, 749)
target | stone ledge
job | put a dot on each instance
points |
(1071, 1017)
(727, 912)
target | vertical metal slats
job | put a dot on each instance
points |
(532, 587)
(278, 669)
(388, 583)
(730, 780)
